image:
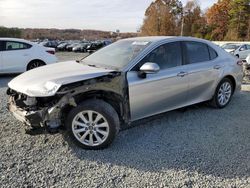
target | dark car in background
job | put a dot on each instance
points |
(62, 46)
(50, 44)
(71, 46)
(95, 46)
(81, 47)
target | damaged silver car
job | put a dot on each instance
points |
(128, 80)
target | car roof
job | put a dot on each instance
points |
(15, 40)
(155, 39)
(150, 38)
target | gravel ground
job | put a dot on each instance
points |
(198, 147)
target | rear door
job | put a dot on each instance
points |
(203, 71)
(15, 56)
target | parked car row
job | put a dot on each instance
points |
(76, 46)
(239, 50)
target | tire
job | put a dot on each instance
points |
(223, 94)
(35, 64)
(95, 134)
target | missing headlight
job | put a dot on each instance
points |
(30, 101)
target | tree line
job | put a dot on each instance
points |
(10, 32)
(61, 34)
(225, 20)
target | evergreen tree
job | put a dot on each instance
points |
(239, 20)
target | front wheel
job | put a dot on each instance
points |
(223, 94)
(93, 124)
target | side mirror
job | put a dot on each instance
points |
(148, 68)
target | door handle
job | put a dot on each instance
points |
(217, 67)
(182, 74)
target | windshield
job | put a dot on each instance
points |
(116, 55)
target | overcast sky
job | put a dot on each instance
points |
(126, 15)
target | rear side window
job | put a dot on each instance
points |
(10, 45)
(213, 54)
(196, 52)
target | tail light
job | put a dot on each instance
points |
(51, 52)
(240, 62)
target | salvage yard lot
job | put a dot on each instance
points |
(196, 147)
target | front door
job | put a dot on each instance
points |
(162, 91)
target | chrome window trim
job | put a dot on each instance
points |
(156, 44)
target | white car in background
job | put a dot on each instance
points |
(230, 47)
(243, 51)
(18, 55)
(248, 60)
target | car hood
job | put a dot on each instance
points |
(45, 81)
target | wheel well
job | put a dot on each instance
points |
(231, 78)
(35, 60)
(112, 98)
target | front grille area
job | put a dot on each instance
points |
(18, 98)
(23, 101)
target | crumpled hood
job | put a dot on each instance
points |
(45, 81)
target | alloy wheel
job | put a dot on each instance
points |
(224, 93)
(90, 128)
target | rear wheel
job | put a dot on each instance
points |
(35, 64)
(93, 124)
(223, 94)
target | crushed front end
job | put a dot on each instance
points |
(35, 111)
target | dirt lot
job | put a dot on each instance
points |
(199, 147)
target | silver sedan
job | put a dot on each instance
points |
(128, 80)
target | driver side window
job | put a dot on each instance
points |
(166, 56)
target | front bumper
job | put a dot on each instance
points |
(32, 118)
(49, 115)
